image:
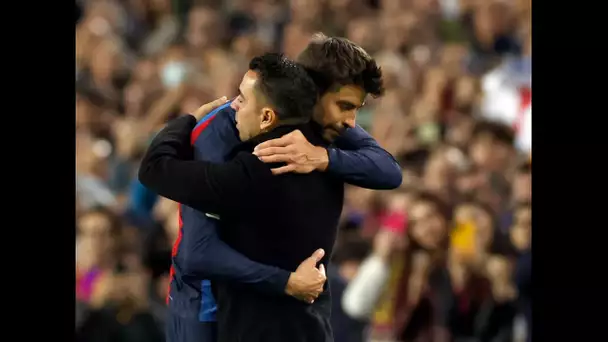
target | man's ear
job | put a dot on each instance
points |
(269, 118)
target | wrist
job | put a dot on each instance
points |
(322, 158)
(290, 286)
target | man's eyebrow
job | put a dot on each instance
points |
(241, 93)
(349, 103)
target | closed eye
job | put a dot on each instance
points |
(240, 98)
(347, 106)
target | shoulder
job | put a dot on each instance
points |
(224, 111)
(313, 132)
(248, 164)
(223, 116)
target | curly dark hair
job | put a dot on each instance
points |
(338, 61)
(285, 85)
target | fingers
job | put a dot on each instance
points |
(269, 151)
(314, 259)
(284, 169)
(277, 158)
(318, 255)
(322, 270)
(308, 298)
(209, 107)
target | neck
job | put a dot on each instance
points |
(279, 129)
(292, 122)
(282, 128)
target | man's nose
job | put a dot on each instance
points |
(350, 122)
(234, 105)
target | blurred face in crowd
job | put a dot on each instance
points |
(490, 154)
(338, 108)
(437, 173)
(106, 61)
(253, 116)
(304, 11)
(96, 234)
(521, 231)
(428, 226)
(248, 46)
(202, 28)
(362, 32)
(459, 133)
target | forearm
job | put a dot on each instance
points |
(215, 260)
(169, 170)
(363, 292)
(360, 161)
(169, 146)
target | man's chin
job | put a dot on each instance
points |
(330, 134)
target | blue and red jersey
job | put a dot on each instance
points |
(189, 294)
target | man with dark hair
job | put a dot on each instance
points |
(277, 96)
(345, 74)
(279, 83)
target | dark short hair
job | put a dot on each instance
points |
(497, 131)
(333, 60)
(285, 85)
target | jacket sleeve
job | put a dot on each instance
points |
(215, 260)
(169, 170)
(360, 161)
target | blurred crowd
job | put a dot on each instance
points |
(446, 257)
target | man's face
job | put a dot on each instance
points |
(428, 227)
(252, 118)
(338, 108)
